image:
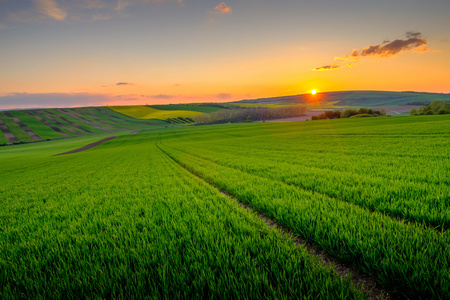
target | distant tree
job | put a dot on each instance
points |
(413, 112)
(383, 112)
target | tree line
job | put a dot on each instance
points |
(350, 113)
(250, 114)
(434, 108)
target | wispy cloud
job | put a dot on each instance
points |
(51, 9)
(25, 100)
(413, 42)
(327, 68)
(124, 83)
(160, 96)
(223, 96)
(222, 8)
(121, 5)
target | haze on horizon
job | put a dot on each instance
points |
(124, 52)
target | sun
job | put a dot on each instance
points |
(313, 92)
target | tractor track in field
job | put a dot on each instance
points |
(25, 128)
(357, 277)
(407, 219)
(88, 146)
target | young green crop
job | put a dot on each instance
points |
(15, 129)
(410, 259)
(37, 126)
(122, 220)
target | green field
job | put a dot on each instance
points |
(51, 124)
(157, 214)
(146, 112)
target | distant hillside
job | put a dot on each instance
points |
(357, 98)
(34, 125)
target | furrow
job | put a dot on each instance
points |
(371, 208)
(358, 278)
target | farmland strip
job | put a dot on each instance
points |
(102, 120)
(9, 135)
(93, 124)
(45, 122)
(135, 132)
(89, 146)
(357, 277)
(61, 124)
(25, 128)
(75, 125)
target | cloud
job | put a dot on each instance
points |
(51, 9)
(413, 42)
(223, 96)
(161, 96)
(411, 34)
(25, 100)
(327, 68)
(124, 83)
(222, 8)
(121, 5)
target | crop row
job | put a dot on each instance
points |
(123, 220)
(415, 201)
(408, 259)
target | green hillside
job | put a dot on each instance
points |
(357, 98)
(25, 126)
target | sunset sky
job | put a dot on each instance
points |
(103, 52)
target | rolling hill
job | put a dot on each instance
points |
(356, 99)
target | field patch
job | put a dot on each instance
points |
(145, 112)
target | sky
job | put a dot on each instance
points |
(64, 53)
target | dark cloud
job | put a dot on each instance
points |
(124, 83)
(25, 100)
(413, 42)
(415, 35)
(395, 47)
(327, 68)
